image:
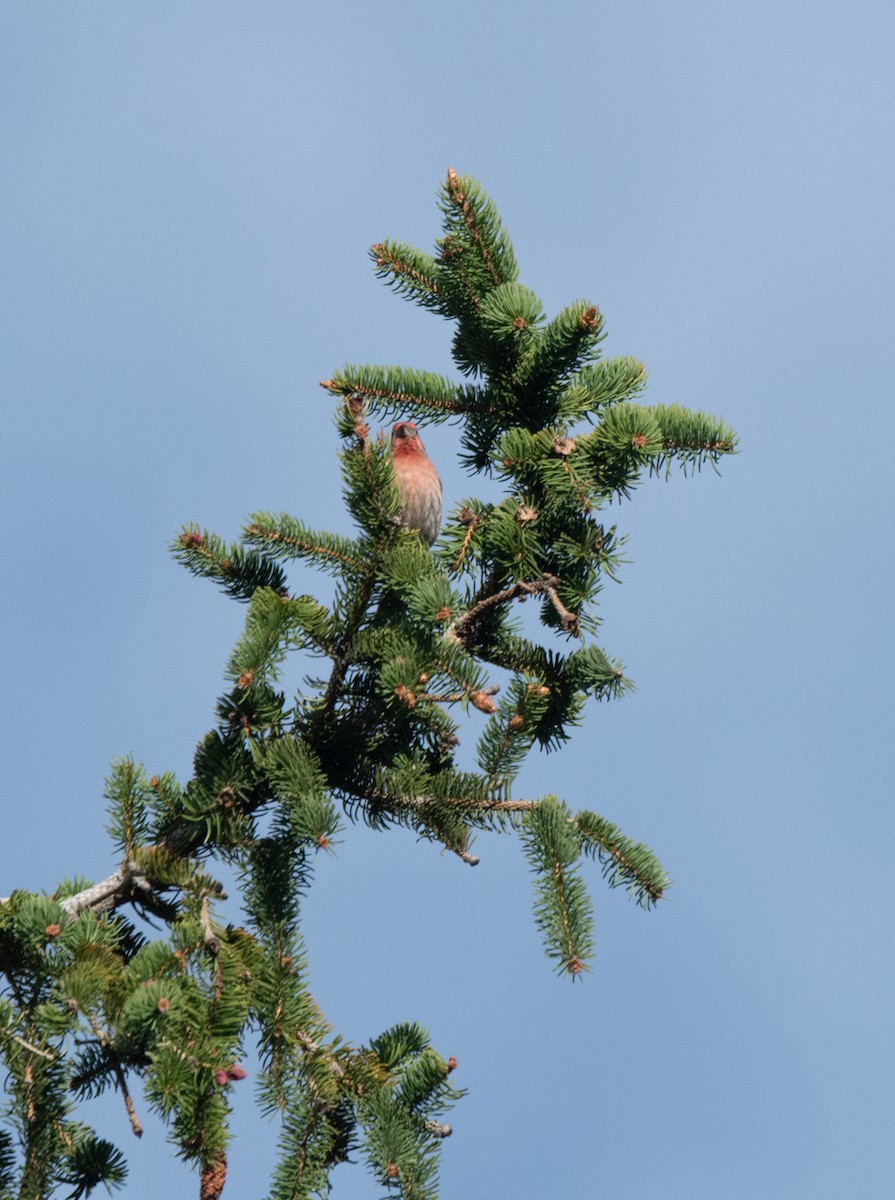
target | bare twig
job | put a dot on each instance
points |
(546, 586)
(568, 620)
(210, 939)
(120, 1080)
(468, 518)
(31, 1047)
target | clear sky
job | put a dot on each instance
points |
(188, 194)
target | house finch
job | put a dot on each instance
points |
(417, 481)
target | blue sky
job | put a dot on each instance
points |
(188, 195)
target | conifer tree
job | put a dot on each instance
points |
(93, 999)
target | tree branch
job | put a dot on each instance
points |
(546, 586)
(30, 1046)
(127, 885)
(103, 1038)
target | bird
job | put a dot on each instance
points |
(417, 482)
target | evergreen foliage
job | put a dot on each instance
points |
(411, 640)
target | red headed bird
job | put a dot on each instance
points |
(417, 481)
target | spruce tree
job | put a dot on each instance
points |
(410, 640)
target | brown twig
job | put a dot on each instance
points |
(568, 620)
(31, 1047)
(120, 1080)
(546, 586)
(468, 518)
